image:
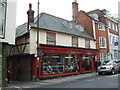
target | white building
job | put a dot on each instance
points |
(113, 33)
(7, 32)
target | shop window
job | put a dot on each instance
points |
(87, 43)
(59, 63)
(71, 64)
(51, 38)
(74, 41)
(2, 19)
(86, 63)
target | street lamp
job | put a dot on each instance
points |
(38, 29)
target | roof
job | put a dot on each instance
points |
(53, 23)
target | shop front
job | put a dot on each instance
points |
(60, 61)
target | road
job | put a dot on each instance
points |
(99, 81)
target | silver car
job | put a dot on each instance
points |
(109, 67)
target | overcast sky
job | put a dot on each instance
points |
(63, 8)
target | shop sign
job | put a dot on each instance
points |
(40, 54)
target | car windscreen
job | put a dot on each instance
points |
(110, 63)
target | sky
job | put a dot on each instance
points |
(63, 8)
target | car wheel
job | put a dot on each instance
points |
(99, 73)
(113, 71)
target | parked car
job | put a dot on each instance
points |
(109, 67)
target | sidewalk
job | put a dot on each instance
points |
(48, 82)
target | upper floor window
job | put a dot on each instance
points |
(109, 24)
(2, 19)
(87, 43)
(51, 38)
(74, 41)
(102, 42)
(116, 27)
(113, 26)
(101, 26)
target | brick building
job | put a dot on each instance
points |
(63, 45)
(103, 28)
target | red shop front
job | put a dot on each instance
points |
(60, 61)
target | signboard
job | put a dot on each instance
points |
(2, 19)
(40, 54)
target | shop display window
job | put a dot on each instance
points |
(53, 64)
(59, 63)
(86, 63)
(70, 63)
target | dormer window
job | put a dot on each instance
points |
(68, 24)
(101, 26)
(65, 23)
(79, 28)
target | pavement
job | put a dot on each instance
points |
(19, 85)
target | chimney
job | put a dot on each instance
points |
(75, 9)
(30, 13)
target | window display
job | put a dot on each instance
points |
(59, 63)
(86, 63)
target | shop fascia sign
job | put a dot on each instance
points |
(2, 19)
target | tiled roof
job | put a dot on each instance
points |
(56, 24)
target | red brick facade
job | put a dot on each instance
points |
(86, 21)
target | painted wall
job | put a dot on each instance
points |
(61, 40)
(10, 22)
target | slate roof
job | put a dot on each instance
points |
(53, 23)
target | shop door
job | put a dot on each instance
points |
(79, 63)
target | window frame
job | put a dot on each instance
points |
(87, 46)
(48, 39)
(101, 44)
(101, 26)
(102, 55)
(3, 22)
(75, 44)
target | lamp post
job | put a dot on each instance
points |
(38, 29)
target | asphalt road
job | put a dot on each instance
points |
(99, 81)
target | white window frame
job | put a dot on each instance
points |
(116, 28)
(113, 26)
(115, 54)
(109, 24)
(102, 44)
(74, 41)
(103, 56)
(101, 26)
(2, 20)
